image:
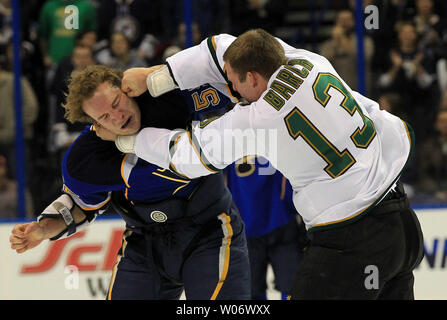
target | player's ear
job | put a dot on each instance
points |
(251, 77)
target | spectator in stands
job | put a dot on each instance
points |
(56, 40)
(171, 46)
(215, 20)
(30, 111)
(443, 102)
(120, 55)
(211, 16)
(63, 133)
(134, 18)
(411, 74)
(252, 14)
(428, 25)
(390, 11)
(180, 40)
(29, 66)
(89, 39)
(8, 194)
(392, 102)
(170, 51)
(5, 22)
(341, 49)
(433, 162)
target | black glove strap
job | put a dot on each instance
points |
(67, 216)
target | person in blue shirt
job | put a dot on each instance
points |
(275, 233)
(181, 233)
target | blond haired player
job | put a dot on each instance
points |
(342, 155)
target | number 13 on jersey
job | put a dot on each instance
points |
(300, 126)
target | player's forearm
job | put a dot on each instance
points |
(173, 150)
(54, 226)
(152, 145)
(176, 150)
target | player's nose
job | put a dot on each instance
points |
(117, 115)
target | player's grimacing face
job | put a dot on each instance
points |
(113, 109)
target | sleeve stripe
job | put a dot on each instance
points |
(199, 152)
(212, 47)
(122, 171)
(86, 206)
(174, 170)
(173, 143)
(128, 163)
(172, 148)
(231, 92)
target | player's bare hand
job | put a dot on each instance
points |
(134, 80)
(26, 236)
(104, 133)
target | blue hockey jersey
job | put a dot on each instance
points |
(262, 195)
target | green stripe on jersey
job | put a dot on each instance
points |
(210, 44)
(200, 153)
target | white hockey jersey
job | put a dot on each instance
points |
(340, 152)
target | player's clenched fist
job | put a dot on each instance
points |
(134, 80)
(26, 236)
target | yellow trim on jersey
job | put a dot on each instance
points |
(175, 142)
(126, 234)
(214, 43)
(122, 170)
(175, 191)
(408, 132)
(229, 91)
(283, 188)
(341, 220)
(248, 160)
(169, 178)
(173, 179)
(83, 207)
(224, 256)
(198, 153)
(174, 169)
(97, 207)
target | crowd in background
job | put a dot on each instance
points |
(405, 71)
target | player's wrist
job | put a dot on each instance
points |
(47, 228)
(160, 81)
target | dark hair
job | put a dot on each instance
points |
(255, 50)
